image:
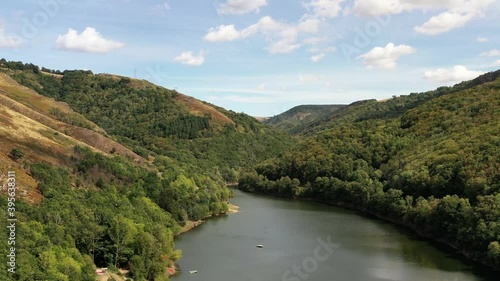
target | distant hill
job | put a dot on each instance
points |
(429, 161)
(301, 117)
(395, 107)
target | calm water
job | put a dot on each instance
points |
(310, 241)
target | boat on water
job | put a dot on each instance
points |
(193, 271)
(260, 246)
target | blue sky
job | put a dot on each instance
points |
(262, 57)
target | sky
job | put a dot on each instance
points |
(262, 57)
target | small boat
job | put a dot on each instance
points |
(193, 271)
(260, 246)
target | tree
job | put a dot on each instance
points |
(17, 153)
(122, 232)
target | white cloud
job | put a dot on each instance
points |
(456, 74)
(282, 36)
(482, 39)
(283, 47)
(496, 63)
(161, 9)
(444, 22)
(314, 40)
(223, 33)
(325, 8)
(457, 12)
(188, 58)
(320, 53)
(9, 41)
(492, 53)
(309, 25)
(261, 87)
(318, 57)
(239, 7)
(89, 41)
(386, 57)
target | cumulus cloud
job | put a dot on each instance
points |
(457, 12)
(386, 57)
(239, 7)
(444, 22)
(282, 36)
(309, 25)
(89, 41)
(188, 58)
(320, 53)
(223, 33)
(9, 41)
(492, 53)
(318, 57)
(456, 74)
(482, 39)
(283, 47)
(314, 40)
(325, 8)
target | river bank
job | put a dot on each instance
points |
(232, 209)
(442, 243)
(366, 249)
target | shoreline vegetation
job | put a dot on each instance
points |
(428, 161)
(449, 247)
(232, 209)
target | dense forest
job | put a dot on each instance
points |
(155, 121)
(106, 209)
(429, 161)
(302, 117)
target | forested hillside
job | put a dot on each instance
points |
(109, 168)
(429, 161)
(301, 117)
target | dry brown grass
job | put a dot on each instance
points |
(10, 88)
(25, 124)
(52, 74)
(199, 108)
(14, 96)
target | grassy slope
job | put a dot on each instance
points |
(26, 124)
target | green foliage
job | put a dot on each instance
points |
(429, 161)
(301, 117)
(153, 121)
(17, 153)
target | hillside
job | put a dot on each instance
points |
(391, 108)
(429, 161)
(109, 169)
(301, 117)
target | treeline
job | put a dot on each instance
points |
(435, 168)
(127, 222)
(394, 107)
(152, 122)
(111, 211)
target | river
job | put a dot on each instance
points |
(311, 241)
